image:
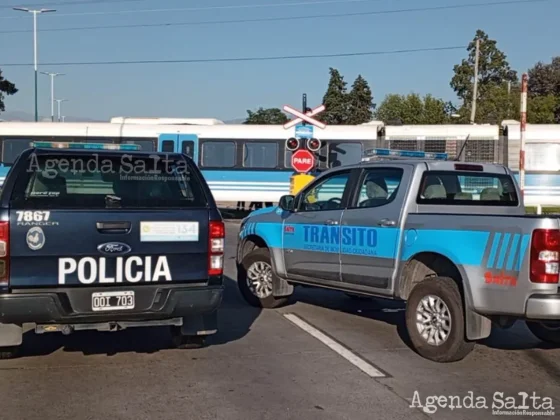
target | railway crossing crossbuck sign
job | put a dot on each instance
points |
(307, 117)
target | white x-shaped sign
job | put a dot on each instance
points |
(304, 117)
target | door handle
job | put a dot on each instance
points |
(113, 227)
(331, 222)
(387, 222)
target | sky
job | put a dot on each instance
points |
(526, 32)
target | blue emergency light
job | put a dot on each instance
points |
(84, 146)
(396, 154)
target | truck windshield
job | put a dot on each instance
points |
(467, 188)
(97, 181)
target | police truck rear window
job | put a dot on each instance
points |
(467, 188)
(108, 182)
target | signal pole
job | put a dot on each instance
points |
(304, 105)
(475, 87)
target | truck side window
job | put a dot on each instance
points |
(326, 195)
(379, 187)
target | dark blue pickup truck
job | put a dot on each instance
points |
(103, 239)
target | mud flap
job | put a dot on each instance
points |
(281, 288)
(11, 335)
(477, 327)
(202, 324)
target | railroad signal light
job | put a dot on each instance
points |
(313, 144)
(292, 144)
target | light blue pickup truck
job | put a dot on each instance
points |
(450, 238)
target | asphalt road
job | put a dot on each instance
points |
(262, 366)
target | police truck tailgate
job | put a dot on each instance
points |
(111, 225)
(73, 248)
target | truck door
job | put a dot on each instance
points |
(179, 143)
(311, 235)
(370, 228)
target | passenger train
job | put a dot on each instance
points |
(250, 162)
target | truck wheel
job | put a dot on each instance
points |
(181, 341)
(254, 279)
(435, 321)
(9, 352)
(549, 332)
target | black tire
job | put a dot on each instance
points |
(455, 347)
(269, 302)
(548, 333)
(186, 342)
(9, 352)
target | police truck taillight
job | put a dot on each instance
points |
(4, 253)
(216, 248)
(545, 252)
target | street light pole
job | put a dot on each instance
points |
(35, 13)
(59, 101)
(52, 76)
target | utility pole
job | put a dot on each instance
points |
(35, 13)
(59, 101)
(475, 87)
(524, 83)
(52, 76)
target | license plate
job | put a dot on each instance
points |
(112, 301)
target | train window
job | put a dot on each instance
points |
(145, 144)
(12, 148)
(187, 148)
(260, 155)
(542, 157)
(218, 154)
(168, 146)
(346, 153)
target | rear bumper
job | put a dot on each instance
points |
(73, 305)
(543, 307)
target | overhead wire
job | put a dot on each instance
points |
(240, 59)
(288, 18)
(207, 8)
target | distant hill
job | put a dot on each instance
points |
(26, 117)
(236, 121)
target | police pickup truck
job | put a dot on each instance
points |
(450, 238)
(105, 237)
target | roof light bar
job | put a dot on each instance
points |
(84, 146)
(372, 154)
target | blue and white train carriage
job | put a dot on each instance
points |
(249, 162)
(240, 162)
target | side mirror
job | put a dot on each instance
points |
(286, 202)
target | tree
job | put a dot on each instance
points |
(360, 102)
(335, 100)
(412, 109)
(493, 72)
(266, 116)
(6, 88)
(544, 92)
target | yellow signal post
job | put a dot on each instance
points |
(299, 181)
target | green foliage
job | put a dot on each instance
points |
(544, 92)
(6, 88)
(360, 102)
(495, 77)
(412, 109)
(266, 116)
(543, 109)
(336, 100)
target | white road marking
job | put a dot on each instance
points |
(336, 347)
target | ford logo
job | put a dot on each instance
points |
(114, 248)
